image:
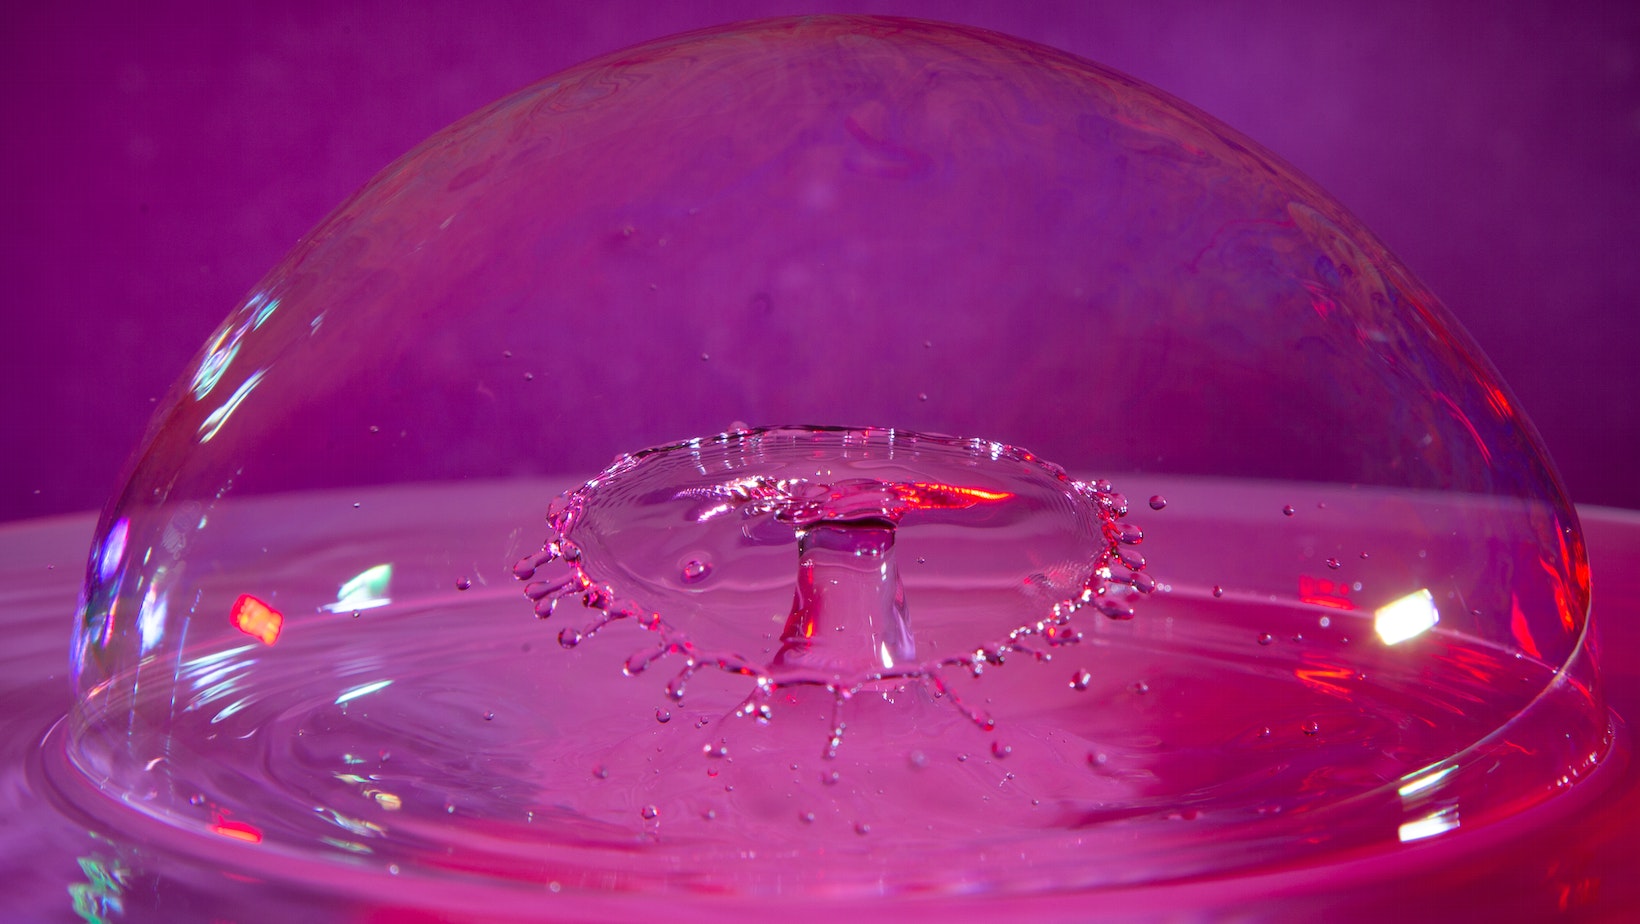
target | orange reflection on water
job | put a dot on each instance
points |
(256, 619)
(923, 495)
(238, 830)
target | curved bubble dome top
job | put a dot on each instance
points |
(1022, 484)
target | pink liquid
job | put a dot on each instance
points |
(443, 746)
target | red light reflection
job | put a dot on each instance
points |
(923, 495)
(238, 830)
(1323, 592)
(256, 619)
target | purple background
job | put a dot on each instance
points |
(160, 157)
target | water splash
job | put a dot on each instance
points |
(709, 542)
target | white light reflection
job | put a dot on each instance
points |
(1421, 784)
(365, 690)
(1437, 822)
(1406, 618)
(112, 551)
(218, 417)
(365, 590)
(151, 614)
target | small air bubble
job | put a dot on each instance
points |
(1157, 502)
(650, 813)
(1265, 638)
(1312, 728)
(1218, 591)
(1288, 510)
(662, 716)
(1000, 750)
(463, 583)
(917, 760)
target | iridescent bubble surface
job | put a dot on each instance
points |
(324, 623)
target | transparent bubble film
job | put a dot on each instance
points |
(793, 641)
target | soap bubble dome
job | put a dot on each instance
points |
(1022, 483)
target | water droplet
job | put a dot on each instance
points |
(1324, 621)
(600, 772)
(806, 817)
(1334, 564)
(1080, 680)
(1265, 638)
(1312, 728)
(1140, 688)
(861, 828)
(662, 716)
(719, 750)
(695, 570)
(489, 717)
(917, 759)
(1000, 750)
(962, 758)
(1157, 502)
(506, 354)
(569, 638)
(922, 396)
(830, 777)
(705, 356)
(1363, 556)
(1288, 510)
(650, 813)
(1264, 732)
(1218, 591)
(463, 583)
(529, 376)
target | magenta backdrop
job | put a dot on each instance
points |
(160, 157)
